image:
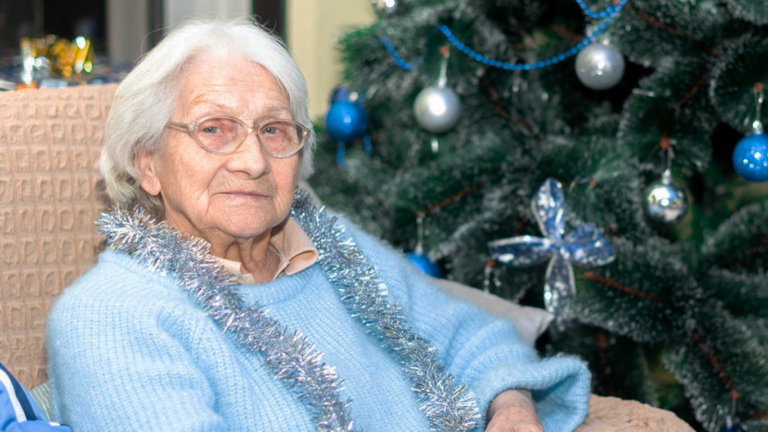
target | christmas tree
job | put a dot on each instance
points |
(620, 142)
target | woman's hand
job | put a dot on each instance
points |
(513, 411)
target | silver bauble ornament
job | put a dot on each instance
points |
(667, 203)
(437, 109)
(599, 66)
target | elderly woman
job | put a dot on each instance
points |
(230, 303)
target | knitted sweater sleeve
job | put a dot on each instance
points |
(122, 337)
(481, 351)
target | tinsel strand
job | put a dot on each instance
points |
(448, 406)
(289, 356)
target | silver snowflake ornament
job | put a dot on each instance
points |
(585, 246)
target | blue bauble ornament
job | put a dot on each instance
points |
(423, 263)
(750, 157)
(346, 121)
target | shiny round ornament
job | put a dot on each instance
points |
(599, 66)
(346, 121)
(750, 157)
(437, 109)
(423, 263)
(666, 202)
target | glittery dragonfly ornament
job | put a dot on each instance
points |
(584, 246)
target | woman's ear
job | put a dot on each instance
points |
(145, 163)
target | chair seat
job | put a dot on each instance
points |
(610, 414)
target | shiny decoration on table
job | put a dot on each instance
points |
(51, 62)
(666, 202)
(55, 56)
(585, 246)
(448, 406)
(600, 66)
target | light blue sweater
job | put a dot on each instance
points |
(129, 351)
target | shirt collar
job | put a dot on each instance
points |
(294, 248)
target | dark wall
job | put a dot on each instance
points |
(271, 14)
(36, 18)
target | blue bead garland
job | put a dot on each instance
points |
(610, 11)
(399, 60)
(606, 15)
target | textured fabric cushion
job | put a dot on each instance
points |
(50, 142)
(609, 414)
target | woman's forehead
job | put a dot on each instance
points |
(236, 103)
(242, 85)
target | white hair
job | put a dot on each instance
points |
(145, 100)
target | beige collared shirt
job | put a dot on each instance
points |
(294, 248)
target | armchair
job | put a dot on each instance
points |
(50, 142)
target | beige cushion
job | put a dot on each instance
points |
(50, 142)
(609, 414)
(530, 322)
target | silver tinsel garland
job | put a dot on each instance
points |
(289, 355)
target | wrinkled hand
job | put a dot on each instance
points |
(513, 411)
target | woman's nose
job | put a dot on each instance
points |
(250, 158)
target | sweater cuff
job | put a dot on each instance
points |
(559, 385)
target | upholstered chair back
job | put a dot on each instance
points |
(50, 142)
(50, 194)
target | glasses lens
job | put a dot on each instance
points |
(281, 138)
(220, 134)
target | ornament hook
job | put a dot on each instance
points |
(443, 78)
(757, 125)
(491, 276)
(419, 249)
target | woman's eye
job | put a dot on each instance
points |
(211, 129)
(271, 130)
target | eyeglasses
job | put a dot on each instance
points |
(223, 135)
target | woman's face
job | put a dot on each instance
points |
(223, 198)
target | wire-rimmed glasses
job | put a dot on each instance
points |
(223, 135)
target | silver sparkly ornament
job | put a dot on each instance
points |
(437, 109)
(667, 203)
(584, 246)
(599, 66)
(388, 7)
